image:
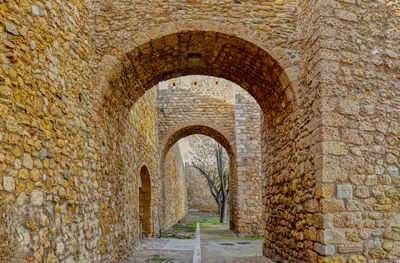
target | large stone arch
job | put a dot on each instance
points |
(229, 51)
(343, 133)
(150, 57)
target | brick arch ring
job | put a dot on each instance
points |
(231, 51)
(191, 128)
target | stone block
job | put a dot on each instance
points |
(332, 206)
(27, 161)
(351, 136)
(325, 250)
(352, 205)
(35, 10)
(356, 259)
(8, 184)
(324, 190)
(349, 248)
(362, 192)
(37, 198)
(352, 236)
(344, 221)
(11, 124)
(331, 260)
(332, 236)
(349, 107)
(371, 180)
(334, 148)
(377, 253)
(330, 175)
(11, 28)
(385, 207)
(344, 191)
(60, 248)
(311, 205)
(323, 221)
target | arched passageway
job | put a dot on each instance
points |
(69, 167)
(220, 136)
(232, 53)
(145, 204)
(220, 103)
(187, 129)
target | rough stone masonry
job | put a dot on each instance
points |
(198, 105)
(326, 74)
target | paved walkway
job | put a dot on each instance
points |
(214, 244)
(163, 250)
(222, 246)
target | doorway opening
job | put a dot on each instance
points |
(145, 211)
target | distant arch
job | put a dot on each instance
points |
(192, 128)
(220, 136)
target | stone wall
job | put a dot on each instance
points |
(114, 22)
(175, 191)
(138, 146)
(248, 163)
(198, 192)
(49, 182)
(358, 184)
(325, 74)
(196, 99)
(214, 102)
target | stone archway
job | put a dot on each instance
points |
(203, 128)
(68, 179)
(145, 204)
(242, 56)
(220, 136)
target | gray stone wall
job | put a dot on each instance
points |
(248, 163)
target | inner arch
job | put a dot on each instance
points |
(188, 129)
(220, 136)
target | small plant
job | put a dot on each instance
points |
(174, 235)
(158, 258)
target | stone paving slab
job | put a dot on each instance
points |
(163, 250)
(154, 256)
(180, 244)
(222, 246)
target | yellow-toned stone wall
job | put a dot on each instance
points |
(174, 182)
(358, 182)
(138, 146)
(48, 182)
(114, 22)
(144, 145)
(325, 73)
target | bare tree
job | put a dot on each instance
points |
(211, 159)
